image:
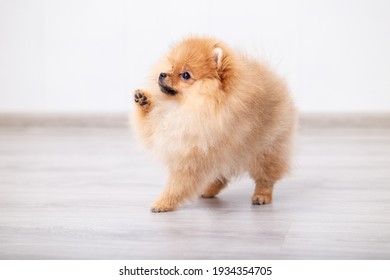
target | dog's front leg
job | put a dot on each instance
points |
(181, 185)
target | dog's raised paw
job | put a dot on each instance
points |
(140, 98)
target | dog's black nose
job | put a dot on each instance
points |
(162, 76)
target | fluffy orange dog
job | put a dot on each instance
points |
(212, 114)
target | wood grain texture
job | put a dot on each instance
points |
(83, 192)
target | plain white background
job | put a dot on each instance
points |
(89, 55)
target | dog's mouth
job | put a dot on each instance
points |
(167, 90)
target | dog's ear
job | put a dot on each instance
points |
(225, 66)
(218, 54)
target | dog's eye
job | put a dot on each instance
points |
(185, 75)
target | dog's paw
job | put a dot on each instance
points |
(260, 199)
(161, 206)
(141, 99)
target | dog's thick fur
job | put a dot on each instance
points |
(232, 115)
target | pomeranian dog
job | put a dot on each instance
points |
(211, 114)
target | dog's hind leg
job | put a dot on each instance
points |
(268, 167)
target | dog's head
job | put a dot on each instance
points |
(194, 64)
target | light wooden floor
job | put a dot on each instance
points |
(84, 193)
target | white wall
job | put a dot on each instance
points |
(88, 55)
